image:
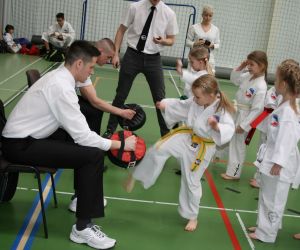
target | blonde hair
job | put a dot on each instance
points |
(290, 61)
(207, 9)
(209, 85)
(289, 72)
(201, 53)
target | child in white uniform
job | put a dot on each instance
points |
(250, 77)
(272, 101)
(209, 123)
(8, 38)
(278, 158)
(198, 59)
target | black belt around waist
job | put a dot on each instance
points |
(142, 53)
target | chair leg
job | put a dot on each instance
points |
(42, 204)
(53, 190)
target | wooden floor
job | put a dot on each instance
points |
(144, 219)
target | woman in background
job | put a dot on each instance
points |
(205, 33)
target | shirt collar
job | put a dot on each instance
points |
(68, 75)
(149, 5)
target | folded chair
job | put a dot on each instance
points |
(32, 76)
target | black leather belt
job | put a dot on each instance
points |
(142, 53)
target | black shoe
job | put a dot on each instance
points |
(107, 134)
(47, 55)
(178, 172)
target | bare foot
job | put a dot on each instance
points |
(297, 236)
(191, 226)
(253, 236)
(227, 177)
(251, 229)
(129, 183)
(253, 183)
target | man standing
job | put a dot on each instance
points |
(151, 25)
(29, 138)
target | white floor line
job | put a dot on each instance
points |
(162, 203)
(245, 231)
(27, 66)
(24, 90)
(174, 83)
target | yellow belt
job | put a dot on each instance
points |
(203, 142)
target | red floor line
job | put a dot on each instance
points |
(223, 213)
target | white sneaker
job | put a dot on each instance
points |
(73, 204)
(93, 237)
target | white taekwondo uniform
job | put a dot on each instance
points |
(250, 103)
(188, 77)
(179, 144)
(280, 148)
(66, 31)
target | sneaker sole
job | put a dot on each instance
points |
(81, 241)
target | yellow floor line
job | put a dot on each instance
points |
(33, 218)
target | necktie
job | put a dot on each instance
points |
(143, 38)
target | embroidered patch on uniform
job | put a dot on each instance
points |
(250, 92)
(198, 161)
(273, 217)
(274, 120)
(217, 117)
(273, 96)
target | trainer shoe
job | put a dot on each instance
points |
(73, 204)
(92, 236)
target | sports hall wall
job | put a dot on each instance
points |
(269, 25)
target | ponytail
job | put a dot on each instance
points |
(294, 105)
(209, 68)
(225, 103)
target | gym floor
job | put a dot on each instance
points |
(144, 219)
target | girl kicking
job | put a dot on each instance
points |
(208, 121)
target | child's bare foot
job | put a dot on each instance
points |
(191, 226)
(179, 66)
(297, 236)
(129, 184)
(253, 236)
(253, 183)
(251, 229)
(227, 177)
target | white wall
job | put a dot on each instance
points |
(269, 25)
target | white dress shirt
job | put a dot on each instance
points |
(51, 103)
(163, 23)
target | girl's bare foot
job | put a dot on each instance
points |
(191, 226)
(297, 236)
(227, 177)
(129, 184)
(251, 229)
(253, 183)
(253, 236)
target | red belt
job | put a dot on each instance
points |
(255, 123)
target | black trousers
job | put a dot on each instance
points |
(58, 151)
(92, 115)
(134, 63)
